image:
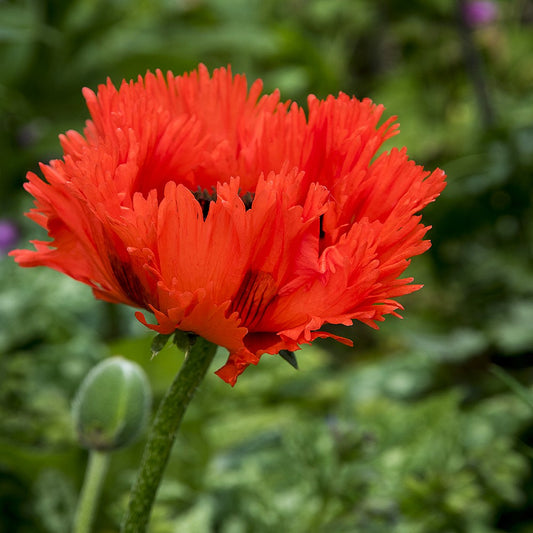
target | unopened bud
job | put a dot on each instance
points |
(112, 405)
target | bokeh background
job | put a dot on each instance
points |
(426, 426)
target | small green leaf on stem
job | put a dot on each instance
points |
(159, 342)
(289, 357)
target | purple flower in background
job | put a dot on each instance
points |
(480, 12)
(8, 235)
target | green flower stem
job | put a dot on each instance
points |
(90, 492)
(198, 357)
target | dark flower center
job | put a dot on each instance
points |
(204, 197)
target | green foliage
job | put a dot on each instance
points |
(427, 425)
(323, 451)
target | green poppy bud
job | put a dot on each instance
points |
(112, 405)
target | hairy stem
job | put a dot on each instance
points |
(162, 434)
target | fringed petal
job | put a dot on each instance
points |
(231, 214)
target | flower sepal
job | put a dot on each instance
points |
(184, 340)
(159, 342)
(289, 357)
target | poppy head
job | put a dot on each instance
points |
(233, 215)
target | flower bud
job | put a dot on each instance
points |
(112, 405)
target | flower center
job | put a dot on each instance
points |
(204, 197)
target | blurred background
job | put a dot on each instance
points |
(426, 426)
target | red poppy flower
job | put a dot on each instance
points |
(233, 215)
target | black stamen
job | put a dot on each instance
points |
(204, 198)
(321, 233)
(247, 200)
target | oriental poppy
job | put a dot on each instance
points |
(233, 215)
